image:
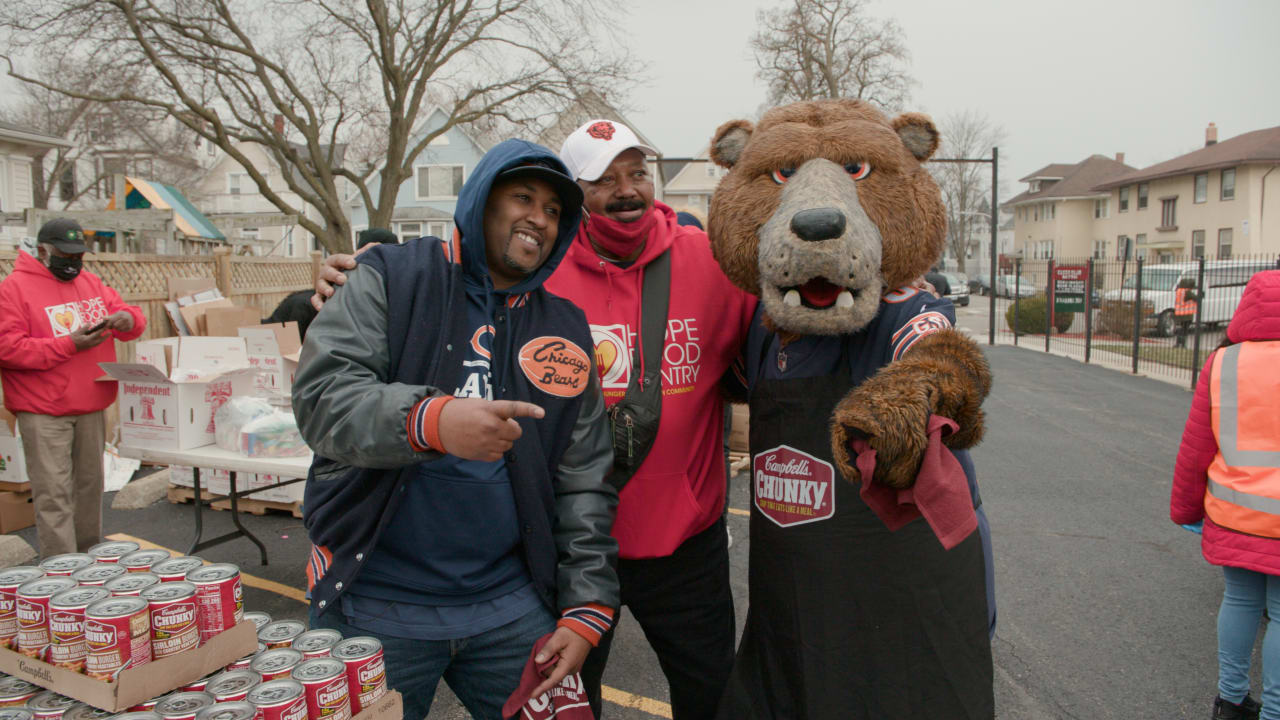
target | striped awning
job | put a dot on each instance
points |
(189, 221)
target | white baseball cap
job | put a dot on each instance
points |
(589, 150)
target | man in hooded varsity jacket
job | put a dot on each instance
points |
(457, 502)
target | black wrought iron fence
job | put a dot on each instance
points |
(1160, 318)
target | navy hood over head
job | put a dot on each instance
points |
(468, 215)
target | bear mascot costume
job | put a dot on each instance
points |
(868, 577)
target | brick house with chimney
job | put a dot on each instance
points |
(1220, 201)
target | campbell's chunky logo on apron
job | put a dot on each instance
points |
(793, 487)
(555, 366)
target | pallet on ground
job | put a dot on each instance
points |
(253, 506)
(182, 494)
(17, 487)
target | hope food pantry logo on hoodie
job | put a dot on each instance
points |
(681, 356)
(66, 318)
(793, 487)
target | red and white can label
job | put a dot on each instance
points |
(328, 699)
(792, 487)
(117, 635)
(220, 598)
(367, 681)
(175, 627)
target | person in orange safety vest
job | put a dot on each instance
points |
(1186, 300)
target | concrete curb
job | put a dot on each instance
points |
(142, 492)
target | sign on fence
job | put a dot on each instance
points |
(1070, 283)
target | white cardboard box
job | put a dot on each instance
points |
(268, 346)
(13, 466)
(167, 398)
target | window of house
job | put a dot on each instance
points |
(1100, 207)
(288, 242)
(1053, 211)
(237, 183)
(67, 184)
(1224, 243)
(1142, 196)
(442, 230)
(1169, 213)
(1035, 186)
(409, 231)
(1197, 243)
(1228, 184)
(1037, 213)
(1141, 239)
(711, 169)
(439, 181)
(249, 233)
(1124, 248)
(1124, 199)
(1100, 249)
(1202, 187)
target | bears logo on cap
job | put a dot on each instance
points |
(602, 130)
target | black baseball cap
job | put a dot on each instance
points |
(64, 234)
(376, 235)
(568, 190)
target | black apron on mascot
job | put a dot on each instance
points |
(848, 620)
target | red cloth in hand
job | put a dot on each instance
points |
(940, 494)
(566, 701)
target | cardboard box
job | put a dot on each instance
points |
(226, 321)
(186, 286)
(288, 494)
(269, 347)
(16, 511)
(388, 707)
(168, 398)
(133, 685)
(194, 315)
(13, 466)
(739, 440)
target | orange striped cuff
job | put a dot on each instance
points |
(591, 621)
(423, 423)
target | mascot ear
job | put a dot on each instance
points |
(728, 142)
(918, 134)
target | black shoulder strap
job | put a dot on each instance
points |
(654, 301)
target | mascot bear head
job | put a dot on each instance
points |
(825, 208)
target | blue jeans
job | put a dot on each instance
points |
(1246, 593)
(482, 670)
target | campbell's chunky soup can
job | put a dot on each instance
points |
(130, 584)
(33, 613)
(66, 625)
(183, 705)
(220, 597)
(202, 683)
(175, 621)
(112, 550)
(49, 705)
(117, 634)
(97, 574)
(258, 619)
(82, 711)
(10, 580)
(65, 564)
(276, 663)
(176, 568)
(281, 633)
(15, 692)
(141, 560)
(366, 671)
(15, 713)
(235, 710)
(138, 713)
(324, 680)
(282, 699)
(233, 685)
(316, 643)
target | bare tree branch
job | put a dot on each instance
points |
(966, 187)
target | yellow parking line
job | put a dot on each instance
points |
(736, 511)
(612, 695)
(245, 578)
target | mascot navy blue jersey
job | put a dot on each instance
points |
(906, 315)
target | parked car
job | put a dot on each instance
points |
(1224, 282)
(1007, 284)
(959, 294)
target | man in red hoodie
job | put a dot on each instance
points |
(55, 321)
(673, 563)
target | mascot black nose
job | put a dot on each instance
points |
(818, 224)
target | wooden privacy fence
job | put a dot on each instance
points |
(142, 280)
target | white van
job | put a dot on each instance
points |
(1224, 282)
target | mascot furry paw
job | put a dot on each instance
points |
(868, 595)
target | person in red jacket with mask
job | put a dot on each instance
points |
(55, 321)
(1228, 477)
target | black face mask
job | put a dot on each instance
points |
(65, 268)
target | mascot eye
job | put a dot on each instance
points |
(783, 174)
(858, 171)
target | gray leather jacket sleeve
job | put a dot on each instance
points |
(585, 508)
(346, 409)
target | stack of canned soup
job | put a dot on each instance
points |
(295, 673)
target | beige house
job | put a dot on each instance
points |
(1057, 215)
(691, 186)
(1212, 202)
(19, 147)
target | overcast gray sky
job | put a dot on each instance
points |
(1065, 79)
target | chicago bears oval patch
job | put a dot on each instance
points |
(555, 366)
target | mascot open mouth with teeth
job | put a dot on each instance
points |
(868, 578)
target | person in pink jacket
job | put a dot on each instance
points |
(55, 323)
(1228, 477)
